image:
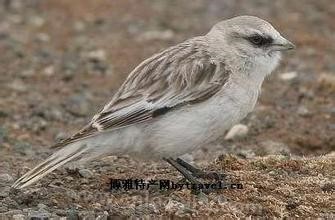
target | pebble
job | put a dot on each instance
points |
(43, 37)
(97, 206)
(41, 206)
(202, 198)
(49, 70)
(36, 21)
(303, 111)
(288, 76)
(79, 26)
(18, 86)
(173, 206)
(86, 173)
(27, 73)
(39, 215)
(306, 92)
(237, 131)
(96, 55)
(246, 153)
(327, 81)
(18, 217)
(14, 212)
(222, 200)
(103, 216)
(15, 19)
(270, 147)
(37, 124)
(6, 178)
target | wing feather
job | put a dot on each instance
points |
(183, 74)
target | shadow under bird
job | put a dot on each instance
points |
(178, 100)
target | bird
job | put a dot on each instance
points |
(178, 100)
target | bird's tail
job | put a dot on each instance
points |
(64, 155)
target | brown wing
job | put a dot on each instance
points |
(183, 74)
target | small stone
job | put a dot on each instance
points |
(18, 85)
(79, 26)
(39, 215)
(327, 81)
(97, 206)
(246, 153)
(14, 212)
(37, 124)
(174, 206)
(15, 19)
(18, 217)
(43, 37)
(49, 70)
(237, 131)
(27, 73)
(202, 198)
(96, 55)
(288, 76)
(86, 173)
(36, 21)
(41, 206)
(306, 92)
(303, 111)
(222, 200)
(272, 148)
(6, 178)
(103, 216)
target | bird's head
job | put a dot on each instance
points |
(250, 38)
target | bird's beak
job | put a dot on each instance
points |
(282, 44)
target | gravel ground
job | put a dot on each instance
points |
(283, 153)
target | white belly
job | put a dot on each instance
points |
(181, 130)
(187, 129)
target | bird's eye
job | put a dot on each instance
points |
(259, 40)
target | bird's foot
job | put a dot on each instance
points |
(192, 174)
(198, 173)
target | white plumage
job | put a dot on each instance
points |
(180, 99)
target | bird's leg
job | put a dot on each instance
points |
(196, 172)
(188, 176)
(182, 170)
(191, 173)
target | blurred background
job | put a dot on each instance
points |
(62, 60)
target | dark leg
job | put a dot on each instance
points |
(190, 173)
(199, 173)
(186, 174)
(182, 170)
